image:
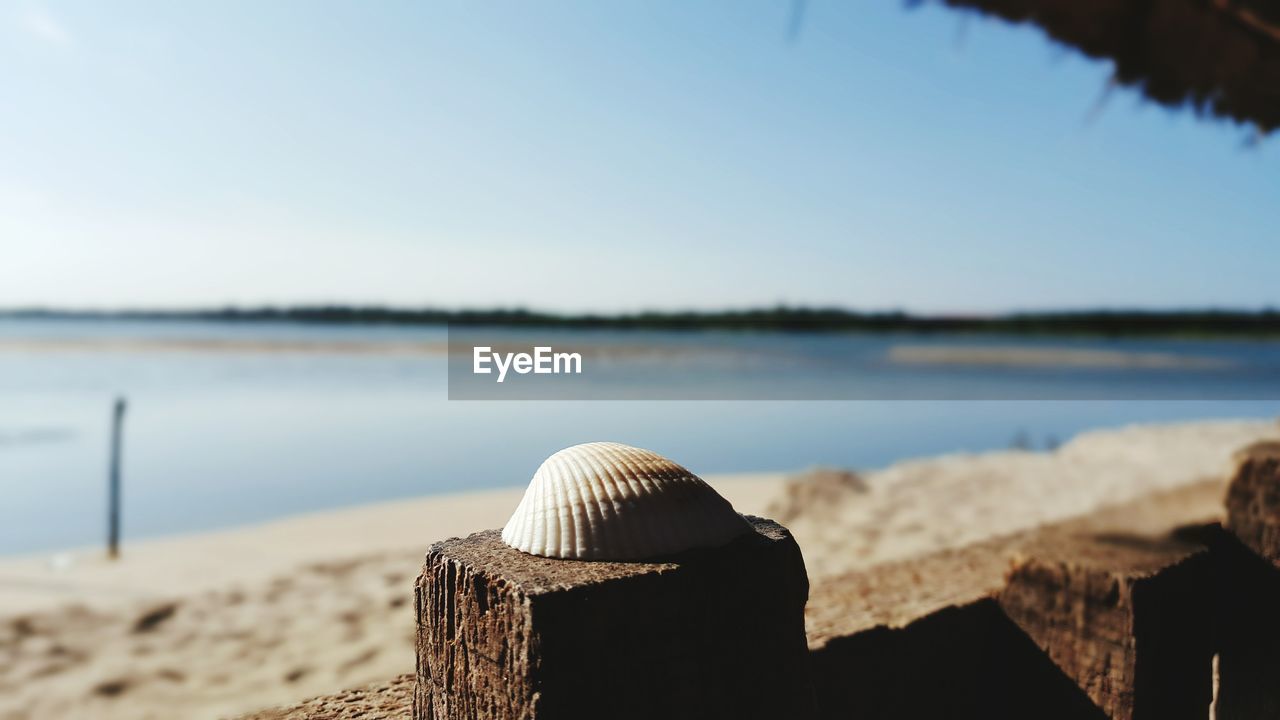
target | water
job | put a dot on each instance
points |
(238, 435)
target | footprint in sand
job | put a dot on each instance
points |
(155, 617)
(112, 688)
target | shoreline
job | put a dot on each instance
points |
(1095, 468)
(160, 566)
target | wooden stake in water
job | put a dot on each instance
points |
(113, 512)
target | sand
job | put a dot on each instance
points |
(1037, 356)
(219, 624)
(844, 523)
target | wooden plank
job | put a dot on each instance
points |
(925, 638)
(1127, 617)
(954, 634)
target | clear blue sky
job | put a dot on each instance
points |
(603, 156)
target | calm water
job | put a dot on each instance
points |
(215, 439)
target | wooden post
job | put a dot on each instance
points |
(1128, 618)
(716, 633)
(1253, 500)
(1248, 565)
(113, 511)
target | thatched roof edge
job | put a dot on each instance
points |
(1218, 57)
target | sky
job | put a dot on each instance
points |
(603, 156)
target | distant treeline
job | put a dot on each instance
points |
(1188, 323)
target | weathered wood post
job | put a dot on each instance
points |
(714, 631)
(113, 480)
(1127, 617)
(719, 633)
(1248, 566)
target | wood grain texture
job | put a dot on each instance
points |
(939, 636)
(1128, 618)
(709, 634)
(1253, 500)
(391, 700)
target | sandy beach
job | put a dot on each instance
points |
(1031, 356)
(218, 624)
(847, 522)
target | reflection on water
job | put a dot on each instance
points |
(221, 438)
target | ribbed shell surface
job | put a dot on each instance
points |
(609, 501)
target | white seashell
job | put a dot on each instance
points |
(609, 501)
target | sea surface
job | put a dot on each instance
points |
(234, 423)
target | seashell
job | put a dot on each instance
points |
(609, 501)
